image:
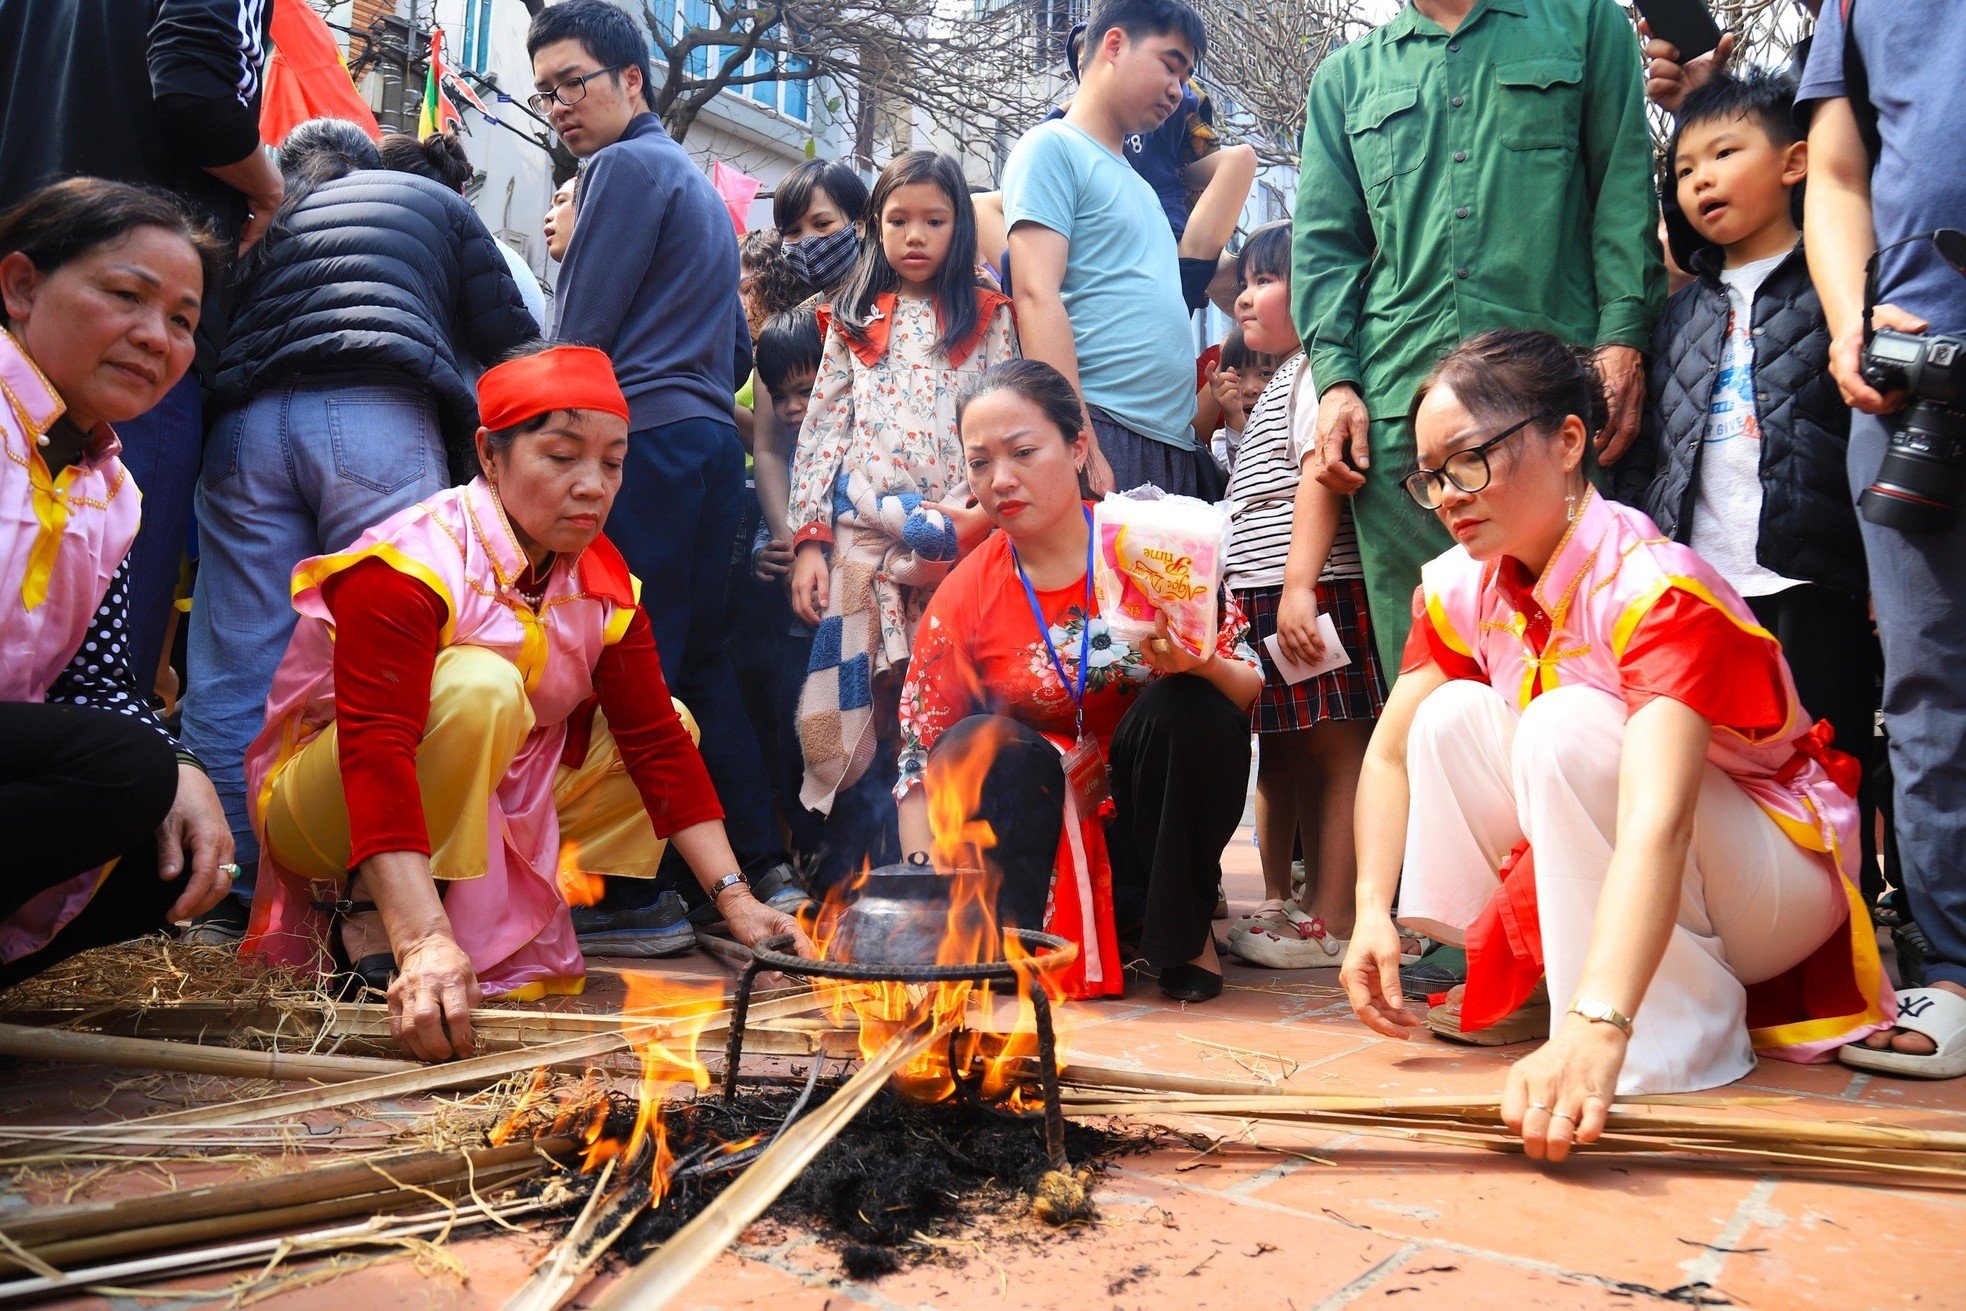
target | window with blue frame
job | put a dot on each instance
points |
(787, 97)
(476, 50)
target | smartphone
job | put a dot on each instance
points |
(1685, 23)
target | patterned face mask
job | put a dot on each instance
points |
(820, 262)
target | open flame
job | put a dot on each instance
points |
(668, 1059)
(960, 851)
(577, 886)
(668, 1017)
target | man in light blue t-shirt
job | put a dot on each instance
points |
(1097, 281)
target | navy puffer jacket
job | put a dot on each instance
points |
(377, 273)
(1808, 528)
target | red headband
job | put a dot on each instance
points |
(563, 378)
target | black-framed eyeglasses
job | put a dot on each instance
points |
(570, 92)
(1466, 469)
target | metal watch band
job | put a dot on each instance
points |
(728, 881)
(1603, 1012)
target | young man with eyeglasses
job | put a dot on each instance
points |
(650, 277)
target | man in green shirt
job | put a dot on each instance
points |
(1471, 164)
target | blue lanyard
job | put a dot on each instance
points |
(1044, 630)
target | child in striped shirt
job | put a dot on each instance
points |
(1293, 556)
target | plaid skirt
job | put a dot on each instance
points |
(1357, 691)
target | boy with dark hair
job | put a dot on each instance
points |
(1098, 283)
(789, 349)
(651, 278)
(1741, 454)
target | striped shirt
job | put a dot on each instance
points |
(1269, 464)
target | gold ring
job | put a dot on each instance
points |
(1161, 646)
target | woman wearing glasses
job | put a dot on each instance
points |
(1589, 714)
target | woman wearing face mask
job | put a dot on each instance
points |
(1012, 657)
(1590, 712)
(817, 207)
(112, 832)
(434, 765)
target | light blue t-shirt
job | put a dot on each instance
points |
(1122, 286)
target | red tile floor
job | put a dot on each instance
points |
(1344, 1222)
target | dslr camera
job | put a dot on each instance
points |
(1917, 485)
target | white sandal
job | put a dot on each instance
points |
(1939, 1015)
(1282, 937)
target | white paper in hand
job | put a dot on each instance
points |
(1335, 655)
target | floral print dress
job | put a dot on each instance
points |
(877, 454)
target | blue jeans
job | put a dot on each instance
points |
(676, 523)
(297, 471)
(160, 449)
(1918, 587)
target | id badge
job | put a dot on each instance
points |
(1085, 774)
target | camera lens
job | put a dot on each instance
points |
(1917, 485)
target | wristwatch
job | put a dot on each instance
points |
(1603, 1012)
(736, 880)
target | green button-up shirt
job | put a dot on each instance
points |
(1497, 176)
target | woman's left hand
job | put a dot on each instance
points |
(751, 921)
(1165, 655)
(195, 840)
(1559, 1096)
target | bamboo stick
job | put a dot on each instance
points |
(39, 1227)
(149, 1054)
(153, 1238)
(474, 1071)
(651, 1285)
(254, 1251)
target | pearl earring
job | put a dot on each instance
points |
(42, 440)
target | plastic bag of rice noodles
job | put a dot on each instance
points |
(1159, 553)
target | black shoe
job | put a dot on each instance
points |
(1914, 949)
(659, 930)
(1190, 983)
(1437, 971)
(779, 888)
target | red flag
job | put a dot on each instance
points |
(305, 77)
(737, 188)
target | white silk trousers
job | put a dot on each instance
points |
(1753, 904)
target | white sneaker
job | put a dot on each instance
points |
(1287, 939)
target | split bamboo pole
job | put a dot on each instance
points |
(43, 1226)
(66, 1045)
(472, 1072)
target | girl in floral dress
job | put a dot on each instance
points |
(879, 508)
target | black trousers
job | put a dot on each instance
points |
(1834, 656)
(80, 787)
(1180, 771)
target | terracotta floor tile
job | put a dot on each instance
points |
(1807, 1244)
(1610, 1219)
(1471, 1283)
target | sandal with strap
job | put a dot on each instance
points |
(1935, 1012)
(373, 972)
(1280, 936)
(1529, 1022)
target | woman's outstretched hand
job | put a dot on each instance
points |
(751, 921)
(431, 999)
(1370, 977)
(1559, 1095)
